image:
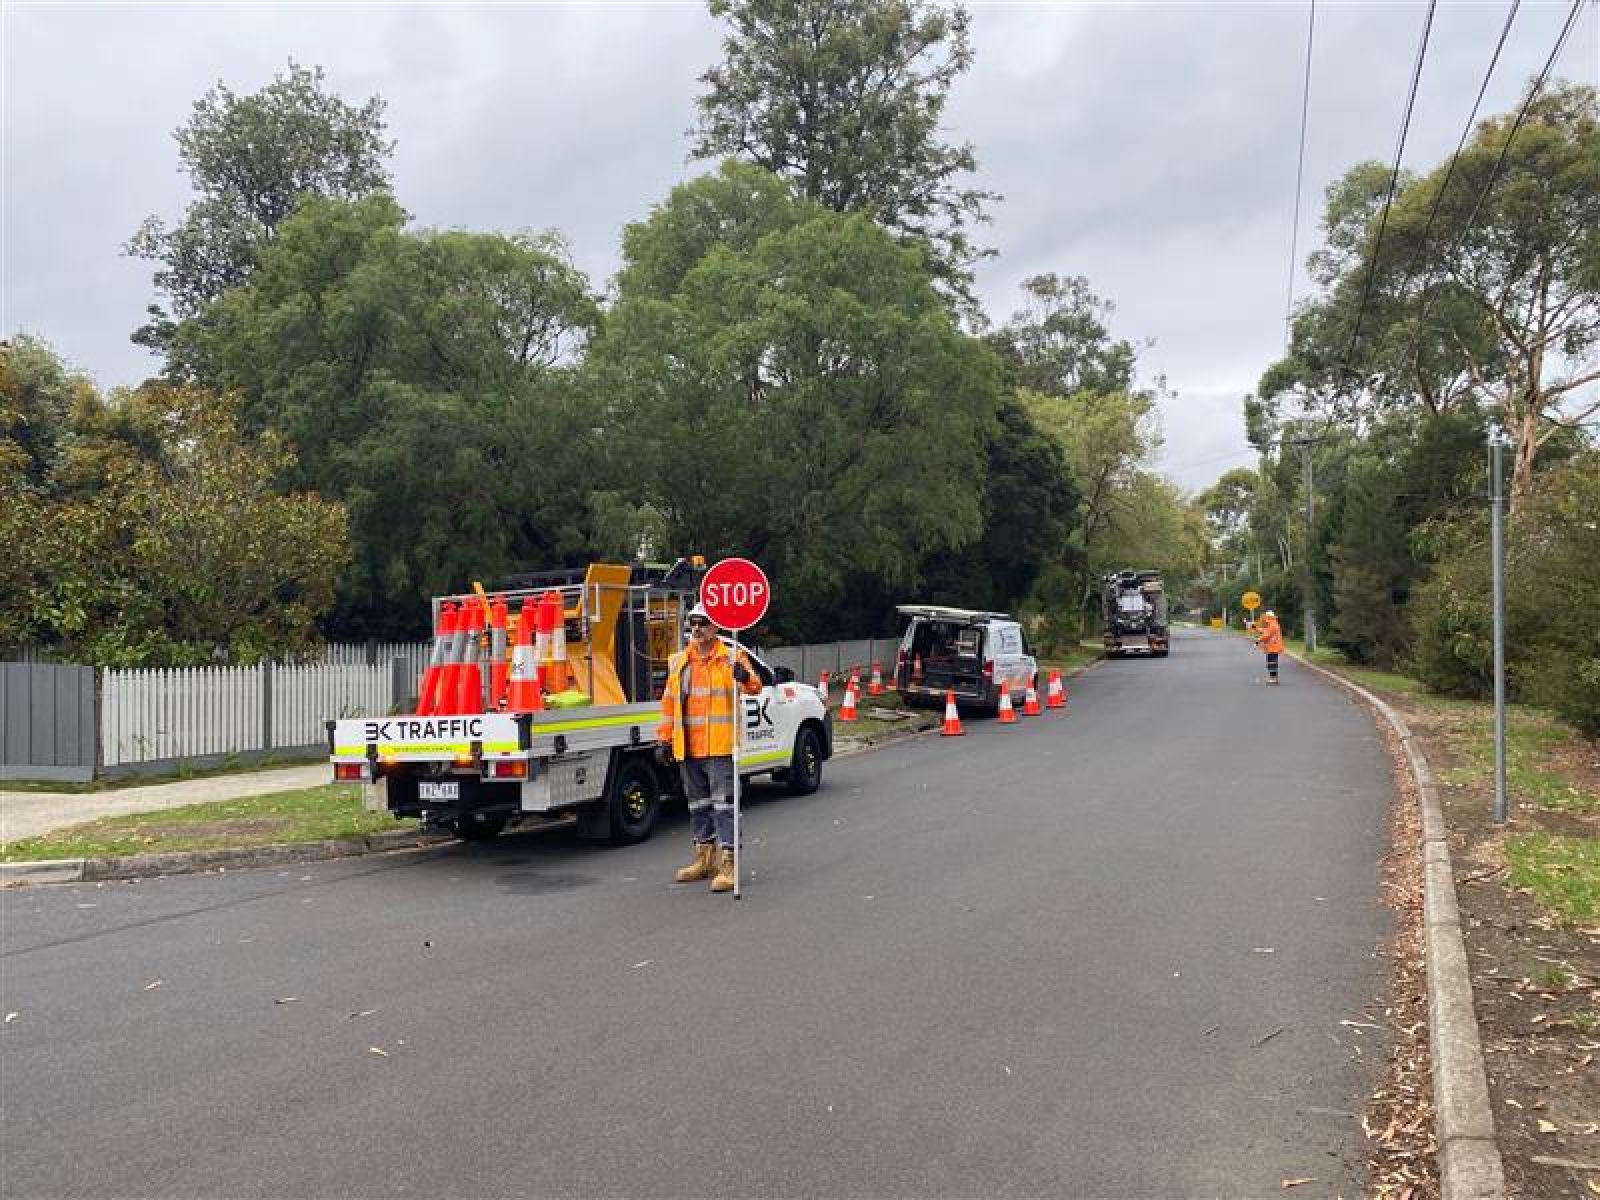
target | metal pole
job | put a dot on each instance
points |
(738, 730)
(1497, 444)
(1311, 510)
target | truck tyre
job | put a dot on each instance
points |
(478, 827)
(805, 768)
(634, 801)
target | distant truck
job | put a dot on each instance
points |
(1135, 612)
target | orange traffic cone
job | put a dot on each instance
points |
(847, 710)
(1030, 701)
(1056, 695)
(524, 680)
(822, 684)
(444, 632)
(875, 688)
(1006, 713)
(448, 685)
(497, 654)
(469, 677)
(952, 719)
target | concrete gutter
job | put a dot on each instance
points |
(1469, 1158)
(139, 866)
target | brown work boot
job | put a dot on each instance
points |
(705, 861)
(723, 880)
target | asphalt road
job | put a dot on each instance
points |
(1107, 953)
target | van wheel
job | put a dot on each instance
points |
(478, 827)
(634, 802)
(805, 768)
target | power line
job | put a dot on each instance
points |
(1466, 132)
(1299, 177)
(1533, 92)
(1394, 177)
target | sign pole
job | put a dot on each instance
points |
(737, 708)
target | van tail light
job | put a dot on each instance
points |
(900, 663)
(988, 668)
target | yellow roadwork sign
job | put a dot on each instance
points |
(1250, 600)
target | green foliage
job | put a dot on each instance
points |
(159, 538)
(1562, 872)
(800, 396)
(845, 98)
(1059, 343)
(427, 381)
(1552, 590)
(252, 159)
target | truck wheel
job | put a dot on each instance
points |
(634, 801)
(478, 827)
(805, 768)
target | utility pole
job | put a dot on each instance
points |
(1498, 441)
(1306, 445)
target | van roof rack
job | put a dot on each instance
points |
(939, 612)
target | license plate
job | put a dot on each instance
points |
(438, 791)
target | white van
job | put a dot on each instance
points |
(973, 654)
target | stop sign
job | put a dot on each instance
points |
(735, 593)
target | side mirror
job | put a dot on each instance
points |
(784, 675)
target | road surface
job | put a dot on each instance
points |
(1126, 951)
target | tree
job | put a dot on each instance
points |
(798, 395)
(1485, 284)
(844, 98)
(37, 395)
(1059, 342)
(252, 159)
(428, 381)
(160, 538)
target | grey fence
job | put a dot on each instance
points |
(47, 722)
(836, 658)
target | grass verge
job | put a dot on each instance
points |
(1563, 873)
(309, 815)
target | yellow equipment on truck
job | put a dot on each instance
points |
(474, 768)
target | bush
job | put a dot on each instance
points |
(1552, 596)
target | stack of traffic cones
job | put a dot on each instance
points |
(952, 718)
(497, 654)
(1006, 713)
(875, 688)
(524, 694)
(469, 674)
(1056, 696)
(1030, 701)
(847, 710)
(443, 635)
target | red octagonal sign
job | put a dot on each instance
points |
(735, 593)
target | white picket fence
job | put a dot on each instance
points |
(160, 715)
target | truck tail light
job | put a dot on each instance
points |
(508, 768)
(349, 772)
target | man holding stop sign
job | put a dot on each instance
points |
(700, 713)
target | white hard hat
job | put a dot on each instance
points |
(1270, 613)
(699, 610)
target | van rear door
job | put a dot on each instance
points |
(950, 655)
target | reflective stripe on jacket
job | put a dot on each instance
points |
(702, 690)
(1270, 639)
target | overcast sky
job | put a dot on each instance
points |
(1150, 147)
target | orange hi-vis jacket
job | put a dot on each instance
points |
(701, 689)
(1270, 639)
